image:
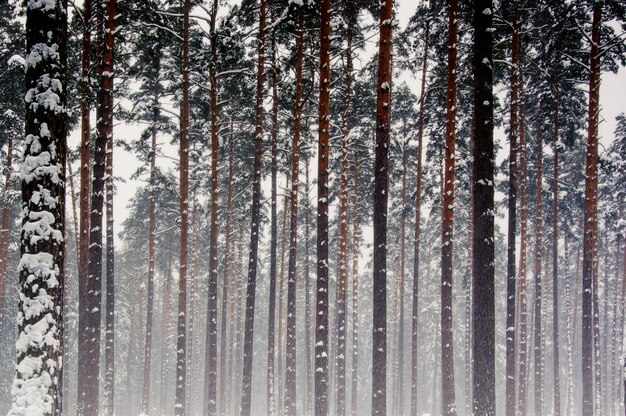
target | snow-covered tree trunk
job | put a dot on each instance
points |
(484, 389)
(356, 236)
(381, 177)
(107, 121)
(321, 315)
(37, 386)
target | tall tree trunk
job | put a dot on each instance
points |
(246, 386)
(147, 357)
(355, 290)
(416, 240)
(281, 300)
(538, 348)
(379, 307)
(290, 347)
(555, 263)
(85, 152)
(523, 318)
(590, 215)
(400, 358)
(166, 329)
(321, 315)
(512, 220)
(41, 278)
(343, 233)
(483, 218)
(210, 360)
(109, 344)
(271, 320)
(181, 339)
(448, 401)
(6, 223)
(226, 372)
(307, 297)
(90, 306)
(570, 338)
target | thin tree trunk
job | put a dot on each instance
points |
(271, 333)
(379, 307)
(590, 215)
(321, 315)
(109, 344)
(307, 298)
(400, 358)
(210, 360)
(226, 374)
(555, 264)
(145, 396)
(181, 339)
(281, 301)
(355, 291)
(512, 220)
(6, 223)
(166, 329)
(416, 240)
(42, 247)
(246, 386)
(523, 319)
(538, 348)
(448, 401)
(290, 350)
(483, 218)
(343, 233)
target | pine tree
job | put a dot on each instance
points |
(37, 385)
(383, 113)
(483, 215)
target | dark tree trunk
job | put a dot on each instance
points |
(246, 386)
(290, 347)
(109, 343)
(512, 221)
(537, 334)
(400, 358)
(343, 234)
(145, 396)
(166, 331)
(181, 339)
(321, 310)
(85, 152)
(379, 307)
(226, 369)
(483, 215)
(210, 359)
(416, 241)
(555, 264)
(523, 319)
(448, 402)
(590, 214)
(90, 306)
(271, 320)
(42, 247)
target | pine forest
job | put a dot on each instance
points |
(313, 207)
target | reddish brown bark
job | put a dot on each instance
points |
(448, 404)
(590, 213)
(290, 353)
(6, 223)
